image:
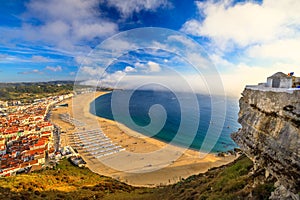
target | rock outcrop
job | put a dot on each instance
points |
(270, 136)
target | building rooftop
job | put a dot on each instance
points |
(280, 75)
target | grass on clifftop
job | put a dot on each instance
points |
(70, 182)
(64, 182)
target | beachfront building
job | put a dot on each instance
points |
(279, 80)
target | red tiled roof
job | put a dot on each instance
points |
(32, 162)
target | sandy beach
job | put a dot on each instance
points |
(145, 161)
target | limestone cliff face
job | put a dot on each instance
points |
(270, 136)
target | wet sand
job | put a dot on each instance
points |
(160, 163)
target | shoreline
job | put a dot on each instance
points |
(187, 164)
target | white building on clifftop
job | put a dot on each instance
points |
(279, 80)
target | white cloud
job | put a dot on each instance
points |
(62, 9)
(63, 24)
(34, 71)
(83, 60)
(153, 67)
(39, 59)
(220, 62)
(163, 46)
(246, 23)
(118, 45)
(111, 79)
(149, 67)
(54, 69)
(192, 27)
(184, 40)
(128, 7)
(286, 49)
(119, 77)
(129, 69)
(7, 58)
(92, 71)
(139, 65)
(92, 30)
(106, 79)
(198, 60)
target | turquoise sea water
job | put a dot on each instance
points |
(139, 107)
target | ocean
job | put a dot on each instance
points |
(165, 116)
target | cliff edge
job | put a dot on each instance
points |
(270, 136)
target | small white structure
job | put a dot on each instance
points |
(279, 80)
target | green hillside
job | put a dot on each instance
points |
(69, 182)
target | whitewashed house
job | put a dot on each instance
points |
(279, 80)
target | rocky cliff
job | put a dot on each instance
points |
(270, 136)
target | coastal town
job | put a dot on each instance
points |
(32, 139)
(28, 140)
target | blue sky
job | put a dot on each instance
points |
(246, 40)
